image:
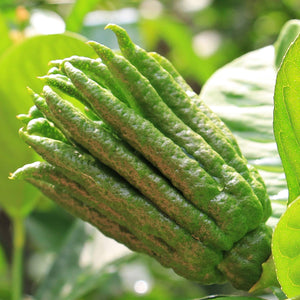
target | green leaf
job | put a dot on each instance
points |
(4, 33)
(286, 117)
(72, 275)
(79, 11)
(287, 35)
(64, 271)
(285, 249)
(278, 293)
(241, 93)
(19, 67)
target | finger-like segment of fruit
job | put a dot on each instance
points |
(184, 172)
(73, 198)
(99, 72)
(64, 84)
(167, 87)
(242, 264)
(183, 106)
(156, 110)
(90, 215)
(43, 127)
(42, 105)
(119, 156)
(157, 171)
(33, 113)
(267, 202)
(44, 172)
(121, 197)
(168, 66)
(54, 70)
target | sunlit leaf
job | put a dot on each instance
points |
(286, 117)
(19, 67)
(241, 93)
(285, 248)
(4, 33)
(287, 35)
(79, 10)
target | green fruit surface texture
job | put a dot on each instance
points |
(144, 160)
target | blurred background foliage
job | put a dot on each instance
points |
(198, 36)
(65, 258)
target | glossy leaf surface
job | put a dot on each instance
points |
(286, 117)
(286, 250)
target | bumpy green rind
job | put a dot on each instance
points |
(183, 106)
(167, 65)
(42, 127)
(64, 84)
(149, 164)
(33, 113)
(97, 71)
(184, 172)
(119, 156)
(156, 111)
(242, 264)
(75, 199)
(104, 184)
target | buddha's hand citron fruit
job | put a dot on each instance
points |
(143, 159)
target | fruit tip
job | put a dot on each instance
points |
(91, 43)
(55, 62)
(96, 45)
(30, 90)
(11, 176)
(22, 133)
(42, 77)
(68, 67)
(102, 51)
(47, 89)
(20, 116)
(67, 63)
(111, 26)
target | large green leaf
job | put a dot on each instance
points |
(4, 33)
(286, 117)
(287, 35)
(241, 93)
(285, 249)
(78, 12)
(19, 67)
